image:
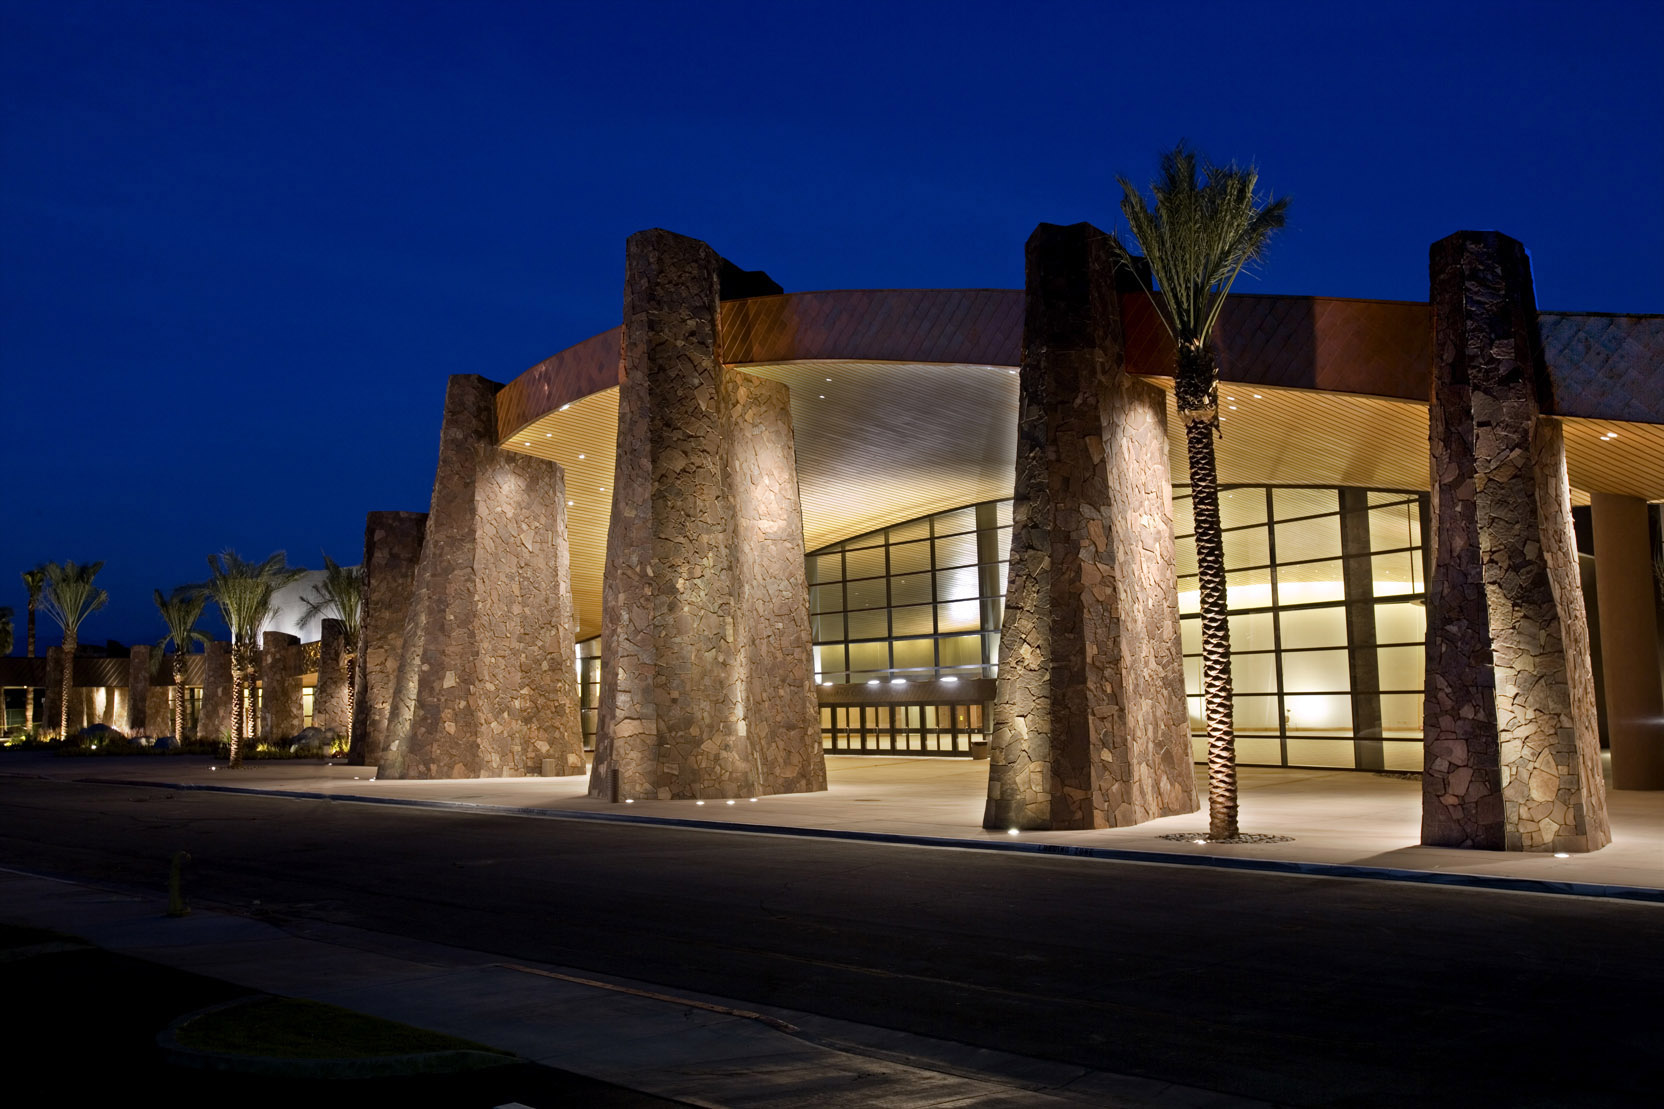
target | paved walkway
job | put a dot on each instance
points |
(1342, 822)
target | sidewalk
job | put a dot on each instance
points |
(683, 1046)
(1341, 823)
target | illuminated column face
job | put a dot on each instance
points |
(214, 719)
(1089, 724)
(485, 685)
(706, 687)
(392, 549)
(1512, 752)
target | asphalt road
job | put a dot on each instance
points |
(1297, 990)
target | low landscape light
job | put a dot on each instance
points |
(1011, 831)
(699, 802)
(730, 802)
(629, 800)
(1562, 855)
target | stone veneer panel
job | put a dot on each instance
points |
(138, 691)
(1090, 727)
(214, 719)
(392, 548)
(1512, 751)
(329, 696)
(706, 686)
(279, 671)
(487, 680)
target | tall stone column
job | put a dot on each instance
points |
(707, 687)
(392, 548)
(214, 720)
(1512, 751)
(1629, 641)
(487, 682)
(1090, 723)
(279, 671)
(54, 699)
(138, 690)
(329, 696)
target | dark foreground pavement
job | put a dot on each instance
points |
(1289, 989)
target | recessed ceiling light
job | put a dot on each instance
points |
(580, 457)
(564, 407)
(1010, 371)
(1611, 435)
(1257, 396)
(1232, 407)
(548, 435)
(528, 442)
(1230, 398)
(823, 396)
(569, 504)
(898, 681)
(829, 379)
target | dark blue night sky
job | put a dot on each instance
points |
(242, 244)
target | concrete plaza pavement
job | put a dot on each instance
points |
(1340, 822)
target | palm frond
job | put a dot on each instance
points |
(340, 595)
(180, 611)
(242, 590)
(70, 596)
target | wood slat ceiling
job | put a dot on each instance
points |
(883, 442)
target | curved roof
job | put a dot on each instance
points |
(904, 402)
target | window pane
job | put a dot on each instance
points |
(1303, 539)
(956, 550)
(1315, 581)
(829, 628)
(1287, 503)
(864, 564)
(961, 650)
(866, 659)
(826, 598)
(1183, 522)
(911, 589)
(1250, 632)
(871, 624)
(911, 621)
(1321, 752)
(1190, 596)
(960, 519)
(1403, 622)
(1193, 677)
(829, 658)
(1397, 573)
(913, 655)
(1254, 715)
(959, 616)
(1398, 526)
(1401, 667)
(826, 567)
(1313, 627)
(1002, 513)
(1380, 498)
(1401, 715)
(1246, 589)
(866, 594)
(956, 585)
(1330, 715)
(1251, 547)
(1190, 634)
(1315, 672)
(1184, 555)
(1254, 673)
(910, 558)
(1238, 507)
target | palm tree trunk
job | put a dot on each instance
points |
(1197, 393)
(70, 643)
(29, 691)
(178, 696)
(239, 693)
(352, 693)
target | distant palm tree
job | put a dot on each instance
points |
(180, 611)
(33, 580)
(342, 593)
(1207, 225)
(69, 598)
(242, 591)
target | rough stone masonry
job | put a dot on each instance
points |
(487, 681)
(1090, 724)
(392, 549)
(1511, 748)
(707, 687)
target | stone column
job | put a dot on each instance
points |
(214, 720)
(707, 687)
(329, 696)
(54, 699)
(1090, 723)
(392, 548)
(1512, 751)
(487, 682)
(138, 690)
(279, 670)
(1629, 641)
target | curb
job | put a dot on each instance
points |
(1109, 854)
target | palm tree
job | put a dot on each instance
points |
(69, 598)
(33, 580)
(243, 590)
(342, 591)
(180, 612)
(1206, 226)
